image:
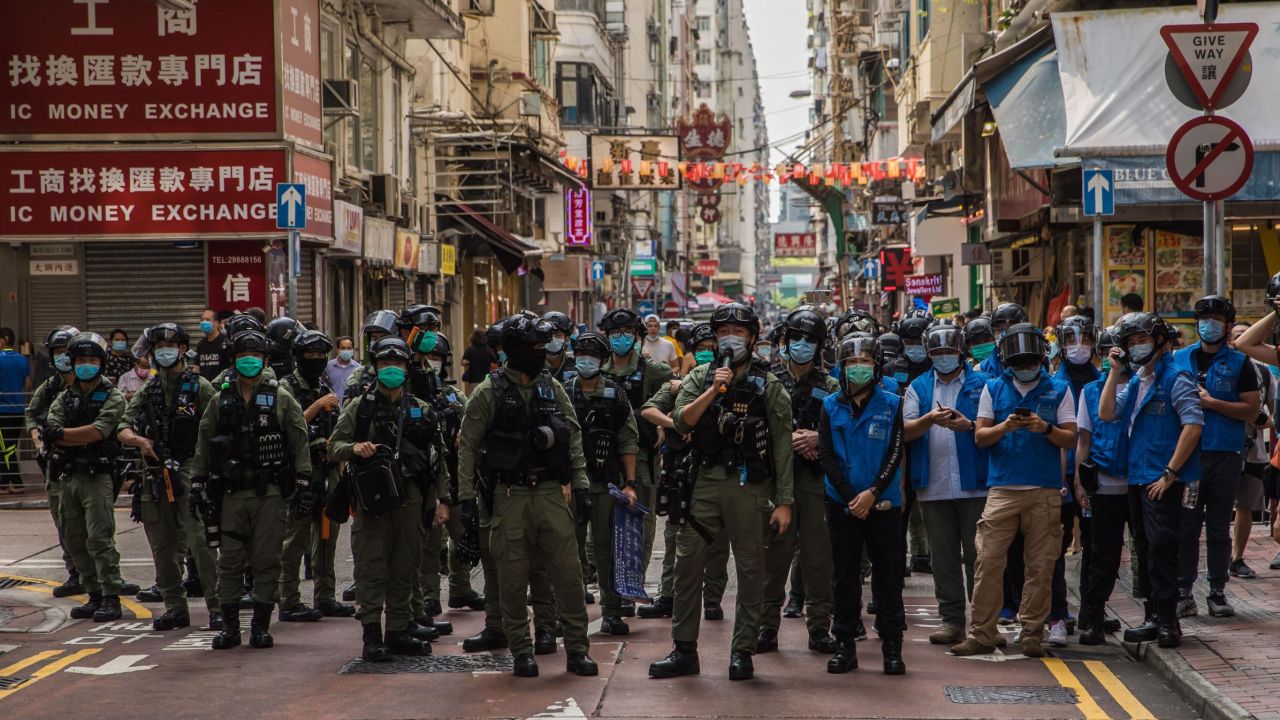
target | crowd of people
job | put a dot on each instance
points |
(814, 453)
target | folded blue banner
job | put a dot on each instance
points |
(628, 547)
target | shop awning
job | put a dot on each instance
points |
(954, 108)
(510, 250)
(1026, 100)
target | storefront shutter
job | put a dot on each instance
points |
(136, 285)
(307, 286)
(54, 300)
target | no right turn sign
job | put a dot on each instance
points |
(1210, 158)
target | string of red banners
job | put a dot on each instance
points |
(842, 174)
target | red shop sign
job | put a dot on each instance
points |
(577, 217)
(237, 275)
(125, 68)
(140, 193)
(707, 267)
(317, 176)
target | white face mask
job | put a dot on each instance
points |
(436, 365)
(1079, 354)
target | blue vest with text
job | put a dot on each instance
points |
(1221, 433)
(991, 366)
(1062, 375)
(1108, 441)
(1156, 428)
(1023, 457)
(860, 443)
(972, 459)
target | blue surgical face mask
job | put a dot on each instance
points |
(120, 345)
(87, 372)
(1211, 331)
(555, 346)
(622, 344)
(1027, 375)
(206, 327)
(62, 362)
(502, 357)
(1141, 353)
(801, 352)
(166, 357)
(702, 357)
(946, 363)
(734, 347)
(346, 355)
(901, 377)
(588, 367)
(914, 353)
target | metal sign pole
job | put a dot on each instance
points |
(1210, 274)
(1099, 284)
(1220, 247)
(294, 260)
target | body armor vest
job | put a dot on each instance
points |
(173, 424)
(734, 430)
(96, 457)
(257, 440)
(513, 455)
(806, 406)
(601, 416)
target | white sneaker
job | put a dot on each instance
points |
(1017, 638)
(1058, 634)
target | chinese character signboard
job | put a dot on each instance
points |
(887, 213)
(577, 217)
(317, 175)
(379, 239)
(55, 267)
(925, 285)
(123, 68)
(300, 73)
(237, 275)
(348, 227)
(139, 193)
(895, 263)
(795, 245)
(635, 162)
(705, 137)
(406, 250)
(707, 267)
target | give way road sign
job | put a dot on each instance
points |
(1209, 158)
(1209, 55)
(643, 286)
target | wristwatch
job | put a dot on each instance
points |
(1173, 475)
(1048, 428)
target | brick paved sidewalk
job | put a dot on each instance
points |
(1239, 656)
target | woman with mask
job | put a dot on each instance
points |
(861, 447)
(119, 359)
(132, 381)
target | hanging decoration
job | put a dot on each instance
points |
(707, 176)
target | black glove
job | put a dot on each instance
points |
(50, 434)
(198, 497)
(469, 546)
(135, 509)
(304, 502)
(469, 511)
(582, 506)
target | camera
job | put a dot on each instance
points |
(542, 438)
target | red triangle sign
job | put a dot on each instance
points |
(1209, 55)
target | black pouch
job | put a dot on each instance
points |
(503, 450)
(1088, 476)
(377, 488)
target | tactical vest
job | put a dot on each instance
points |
(601, 417)
(806, 406)
(567, 371)
(368, 376)
(258, 442)
(48, 393)
(633, 385)
(173, 424)
(511, 455)
(377, 421)
(96, 457)
(734, 430)
(321, 426)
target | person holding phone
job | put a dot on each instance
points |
(1025, 418)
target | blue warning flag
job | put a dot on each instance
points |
(628, 547)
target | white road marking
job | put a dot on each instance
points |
(115, 666)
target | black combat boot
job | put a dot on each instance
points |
(230, 635)
(524, 666)
(171, 620)
(300, 613)
(891, 647)
(258, 635)
(86, 611)
(71, 587)
(628, 609)
(845, 658)
(215, 620)
(820, 641)
(1147, 631)
(741, 666)
(661, 608)
(442, 627)
(683, 660)
(374, 649)
(766, 640)
(1094, 632)
(149, 595)
(110, 609)
(544, 642)
(487, 639)
(333, 608)
(580, 663)
(612, 625)
(471, 601)
(401, 642)
(1168, 629)
(425, 633)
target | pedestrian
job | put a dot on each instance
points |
(392, 440)
(803, 337)
(740, 419)
(1025, 419)
(534, 471)
(35, 416)
(948, 470)
(1250, 496)
(252, 453)
(343, 364)
(1162, 405)
(476, 362)
(674, 335)
(862, 446)
(81, 427)
(1229, 397)
(655, 346)
(162, 421)
(132, 381)
(119, 359)
(15, 383)
(1131, 303)
(213, 352)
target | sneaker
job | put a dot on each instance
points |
(1007, 617)
(1187, 607)
(1032, 648)
(1017, 638)
(1218, 605)
(1058, 634)
(1238, 568)
(971, 647)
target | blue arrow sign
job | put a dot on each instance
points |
(597, 271)
(291, 206)
(1099, 192)
(645, 307)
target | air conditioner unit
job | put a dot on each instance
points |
(1023, 265)
(409, 212)
(478, 7)
(384, 191)
(530, 104)
(341, 97)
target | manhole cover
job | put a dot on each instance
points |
(13, 582)
(430, 664)
(1011, 695)
(9, 682)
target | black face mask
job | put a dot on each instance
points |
(311, 368)
(281, 365)
(527, 360)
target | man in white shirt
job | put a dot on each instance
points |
(656, 347)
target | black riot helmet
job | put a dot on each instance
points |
(943, 335)
(1021, 342)
(805, 323)
(777, 334)
(1215, 305)
(735, 313)
(380, 321)
(1077, 329)
(560, 322)
(281, 333)
(701, 333)
(166, 332)
(524, 339)
(60, 337)
(445, 350)
(978, 331)
(1106, 341)
(1007, 314)
(249, 341)
(493, 336)
(591, 344)
(311, 341)
(619, 319)
(913, 327)
(1141, 322)
(243, 322)
(425, 317)
(87, 344)
(890, 347)
(855, 320)
(388, 348)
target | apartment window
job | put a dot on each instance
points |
(368, 126)
(704, 23)
(540, 61)
(595, 7)
(739, 91)
(704, 89)
(351, 61)
(584, 98)
(704, 56)
(923, 10)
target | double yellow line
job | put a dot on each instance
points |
(45, 671)
(1086, 704)
(45, 587)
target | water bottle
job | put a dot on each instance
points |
(883, 505)
(1085, 511)
(1190, 495)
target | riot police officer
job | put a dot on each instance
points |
(251, 455)
(281, 332)
(524, 424)
(609, 444)
(81, 428)
(560, 349)
(740, 419)
(162, 420)
(377, 325)
(36, 413)
(392, 440)
(803, 336)
(312, 533)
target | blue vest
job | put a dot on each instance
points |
(1156, 428)
(972, 459)
(1108, 441)
(991, 366)
(860, 443)
(1221, 433)
(1062, 375)
(1023, 457)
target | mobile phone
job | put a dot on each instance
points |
(1022, 412)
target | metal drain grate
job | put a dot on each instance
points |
(10, 682)
(13, 582)
(429, 664)
(1011, 695)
